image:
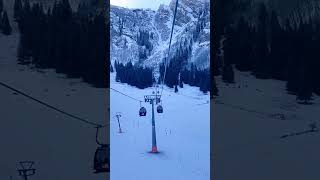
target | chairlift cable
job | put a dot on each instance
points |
(52, 107)
(166, 59)
(126, 95)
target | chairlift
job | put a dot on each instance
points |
(160, 109)
(142, 111)
(101, 161)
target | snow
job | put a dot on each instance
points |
(61, 147)
(183, 135)
(247, 131)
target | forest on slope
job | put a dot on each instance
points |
(273, 46)
(63, 39)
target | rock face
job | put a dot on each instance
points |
(191, 31)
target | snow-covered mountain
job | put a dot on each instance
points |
(142, 35)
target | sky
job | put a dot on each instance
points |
(152, 4)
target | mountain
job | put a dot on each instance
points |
(142, 35)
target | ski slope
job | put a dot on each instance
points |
(250, 117)
(183, 135)
(61, 147)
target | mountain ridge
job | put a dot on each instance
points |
(128, 27)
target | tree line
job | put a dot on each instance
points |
(196, 77)
(133, 75)
(178, 72)
(5, 26)
(282, 49)
(142, 77)
(73, 43)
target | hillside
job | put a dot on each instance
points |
(62, 148)
(260, 132)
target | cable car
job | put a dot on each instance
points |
(142, 111)
(159, 109)
(101, 159)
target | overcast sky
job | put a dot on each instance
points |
(152, 4)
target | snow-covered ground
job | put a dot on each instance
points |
(61, 147)
(248, 123)
(183, 135)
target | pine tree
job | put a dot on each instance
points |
(27, 7)
(181, 84)
(1, 12)
(262, 68)
(228, 74)
(243, 46)
(215, 90)
(305, 87)
(111, 68)
(277, 56)
(206, 81)
(1, 6)
(17, 10)
(229, 46)
(6, 27)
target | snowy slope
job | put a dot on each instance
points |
(61, 147)
(250, 117)
(183, 135)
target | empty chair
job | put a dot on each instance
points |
(159, 109)
(101, 162)
(142, 111)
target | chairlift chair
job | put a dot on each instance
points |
(102, 159)
(160, 109)
(142, 111)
